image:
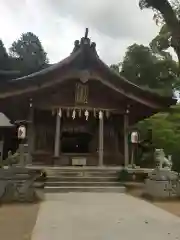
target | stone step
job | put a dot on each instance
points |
(54, 171)
(65, 189)
(80, 179)
(72, 184)
(77, 169)
(82, 174)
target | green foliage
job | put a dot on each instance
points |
(26, 56)
(115, 67)
(124, 176)
(4, 58)
(166, 133)
(167, 14)
(12, 159)
(176, 161)
(158, 73)
(29, 53)
(158, 5)
(162, 41)
(145, 68)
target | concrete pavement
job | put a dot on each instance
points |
(103, 216)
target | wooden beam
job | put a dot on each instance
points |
(101, 139)
(57, 136)
(126, 144)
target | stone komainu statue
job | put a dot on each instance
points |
(161, 160)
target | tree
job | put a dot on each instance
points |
(115, 67)
(29, 53)
(4, 58)
(169, 13)
(165, 132)
(145, 68)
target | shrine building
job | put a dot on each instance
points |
(78, 108)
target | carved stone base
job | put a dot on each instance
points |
(18, 185)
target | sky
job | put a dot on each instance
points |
(113, 25)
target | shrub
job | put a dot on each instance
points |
(123, 175)
(12, 159)
(176, 162)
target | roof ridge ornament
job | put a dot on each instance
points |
(84, 42)
(86, 33)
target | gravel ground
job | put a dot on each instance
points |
(172, 206)
(17, 221)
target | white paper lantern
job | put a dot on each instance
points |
(22, 132)
(100, 115)
(134, 137)
(60, 112)
(86, 114)
(74, 114)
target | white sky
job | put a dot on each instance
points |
(113, 25)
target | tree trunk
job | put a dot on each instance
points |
(164, 7)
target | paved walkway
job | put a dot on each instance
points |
(103, 216)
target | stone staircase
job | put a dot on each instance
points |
(80, 179)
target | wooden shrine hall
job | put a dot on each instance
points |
(78, 111)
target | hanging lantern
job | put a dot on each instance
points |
(60, 112)
(107, 113)
(73, 114)
(80, 113)
(100, 115)
(94, 112)
(68, 113)
(86, 114)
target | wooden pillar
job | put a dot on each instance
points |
(30, 133)
(101, 138)
(57, 135)
(126, 144)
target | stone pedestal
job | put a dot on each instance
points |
(19, 184)
(161, 183)
(178, 188)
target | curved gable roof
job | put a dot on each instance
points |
(83, 58)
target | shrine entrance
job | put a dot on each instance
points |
(75, 142)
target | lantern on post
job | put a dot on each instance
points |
(21, 136)
(134, 137)
(134, 144)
